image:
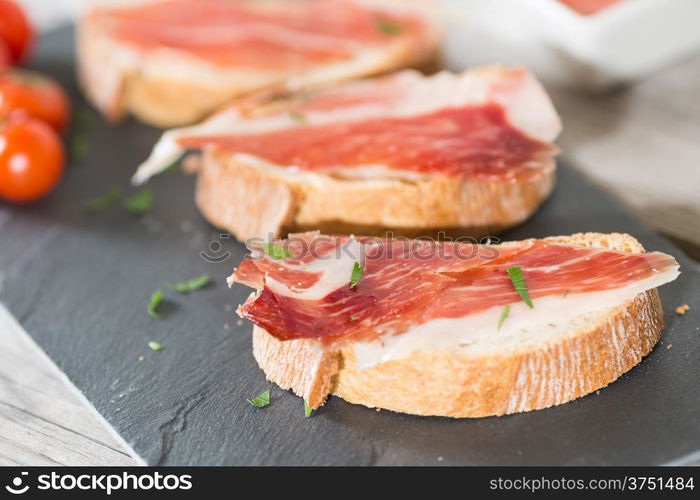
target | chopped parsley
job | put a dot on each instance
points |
(153, 304)
(103, 202)
(356, 275)
(79, 138)
(275, 251)
(190, 285)
(353, 318)
(298, 117)
(307, 409)
(79, 146)
(175, 163)
(518, 280)
(261, 400)
(155, 346)
(140, 202)
(389, 28)
(504, 315)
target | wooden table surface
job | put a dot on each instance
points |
(642, 144)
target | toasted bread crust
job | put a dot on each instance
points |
(311, 376)
(172, 89)
(269, 202)
(444, 383)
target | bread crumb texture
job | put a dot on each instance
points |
(682, 309)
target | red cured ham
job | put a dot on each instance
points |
(476, 142)
(490, 124)
(278, 35)
(409, 283)
(589, 7)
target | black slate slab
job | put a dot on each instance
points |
(79, 283)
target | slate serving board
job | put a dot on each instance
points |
(79, 284)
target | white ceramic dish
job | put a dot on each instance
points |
(620, 43)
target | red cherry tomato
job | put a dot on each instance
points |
(4, 56)
(36, 95)
(31, 159)
(15, 30)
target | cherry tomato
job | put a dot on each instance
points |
(31, 159)
(36, 95)
(15, 30)
(4, 56)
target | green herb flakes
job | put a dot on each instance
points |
(82, 120)
(356, 275)
(389, 28)
(518, 280)
(275, 251)
(140, 202)
(298, 117)
(103, 202)
(190, 285)
(307, 410)
(261, 400)
(155, 346)
(153, 304)
(504, 314)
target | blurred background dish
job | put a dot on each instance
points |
(586, 44)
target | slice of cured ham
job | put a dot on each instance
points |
(589, 7)
(417, 294)
(489, 124)
(261, 35)
(174, 62)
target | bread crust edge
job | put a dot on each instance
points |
(445, 383)
(251, 201)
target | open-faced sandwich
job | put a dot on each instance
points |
(172, 62)
(468, 153)
(452, 329)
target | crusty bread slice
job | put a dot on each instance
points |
(526, 374)
(255, 194)
(253, 201)
(168, 88)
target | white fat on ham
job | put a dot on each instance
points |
(478, 334)
(279, 34)
(526, 103)
(166, 151)
(335, 271)
(375, 174)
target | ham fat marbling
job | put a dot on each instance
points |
(490, 124)
(418, 294)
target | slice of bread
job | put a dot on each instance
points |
(529, 371)
(478, 182)
(168, 86)
(250, 201)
